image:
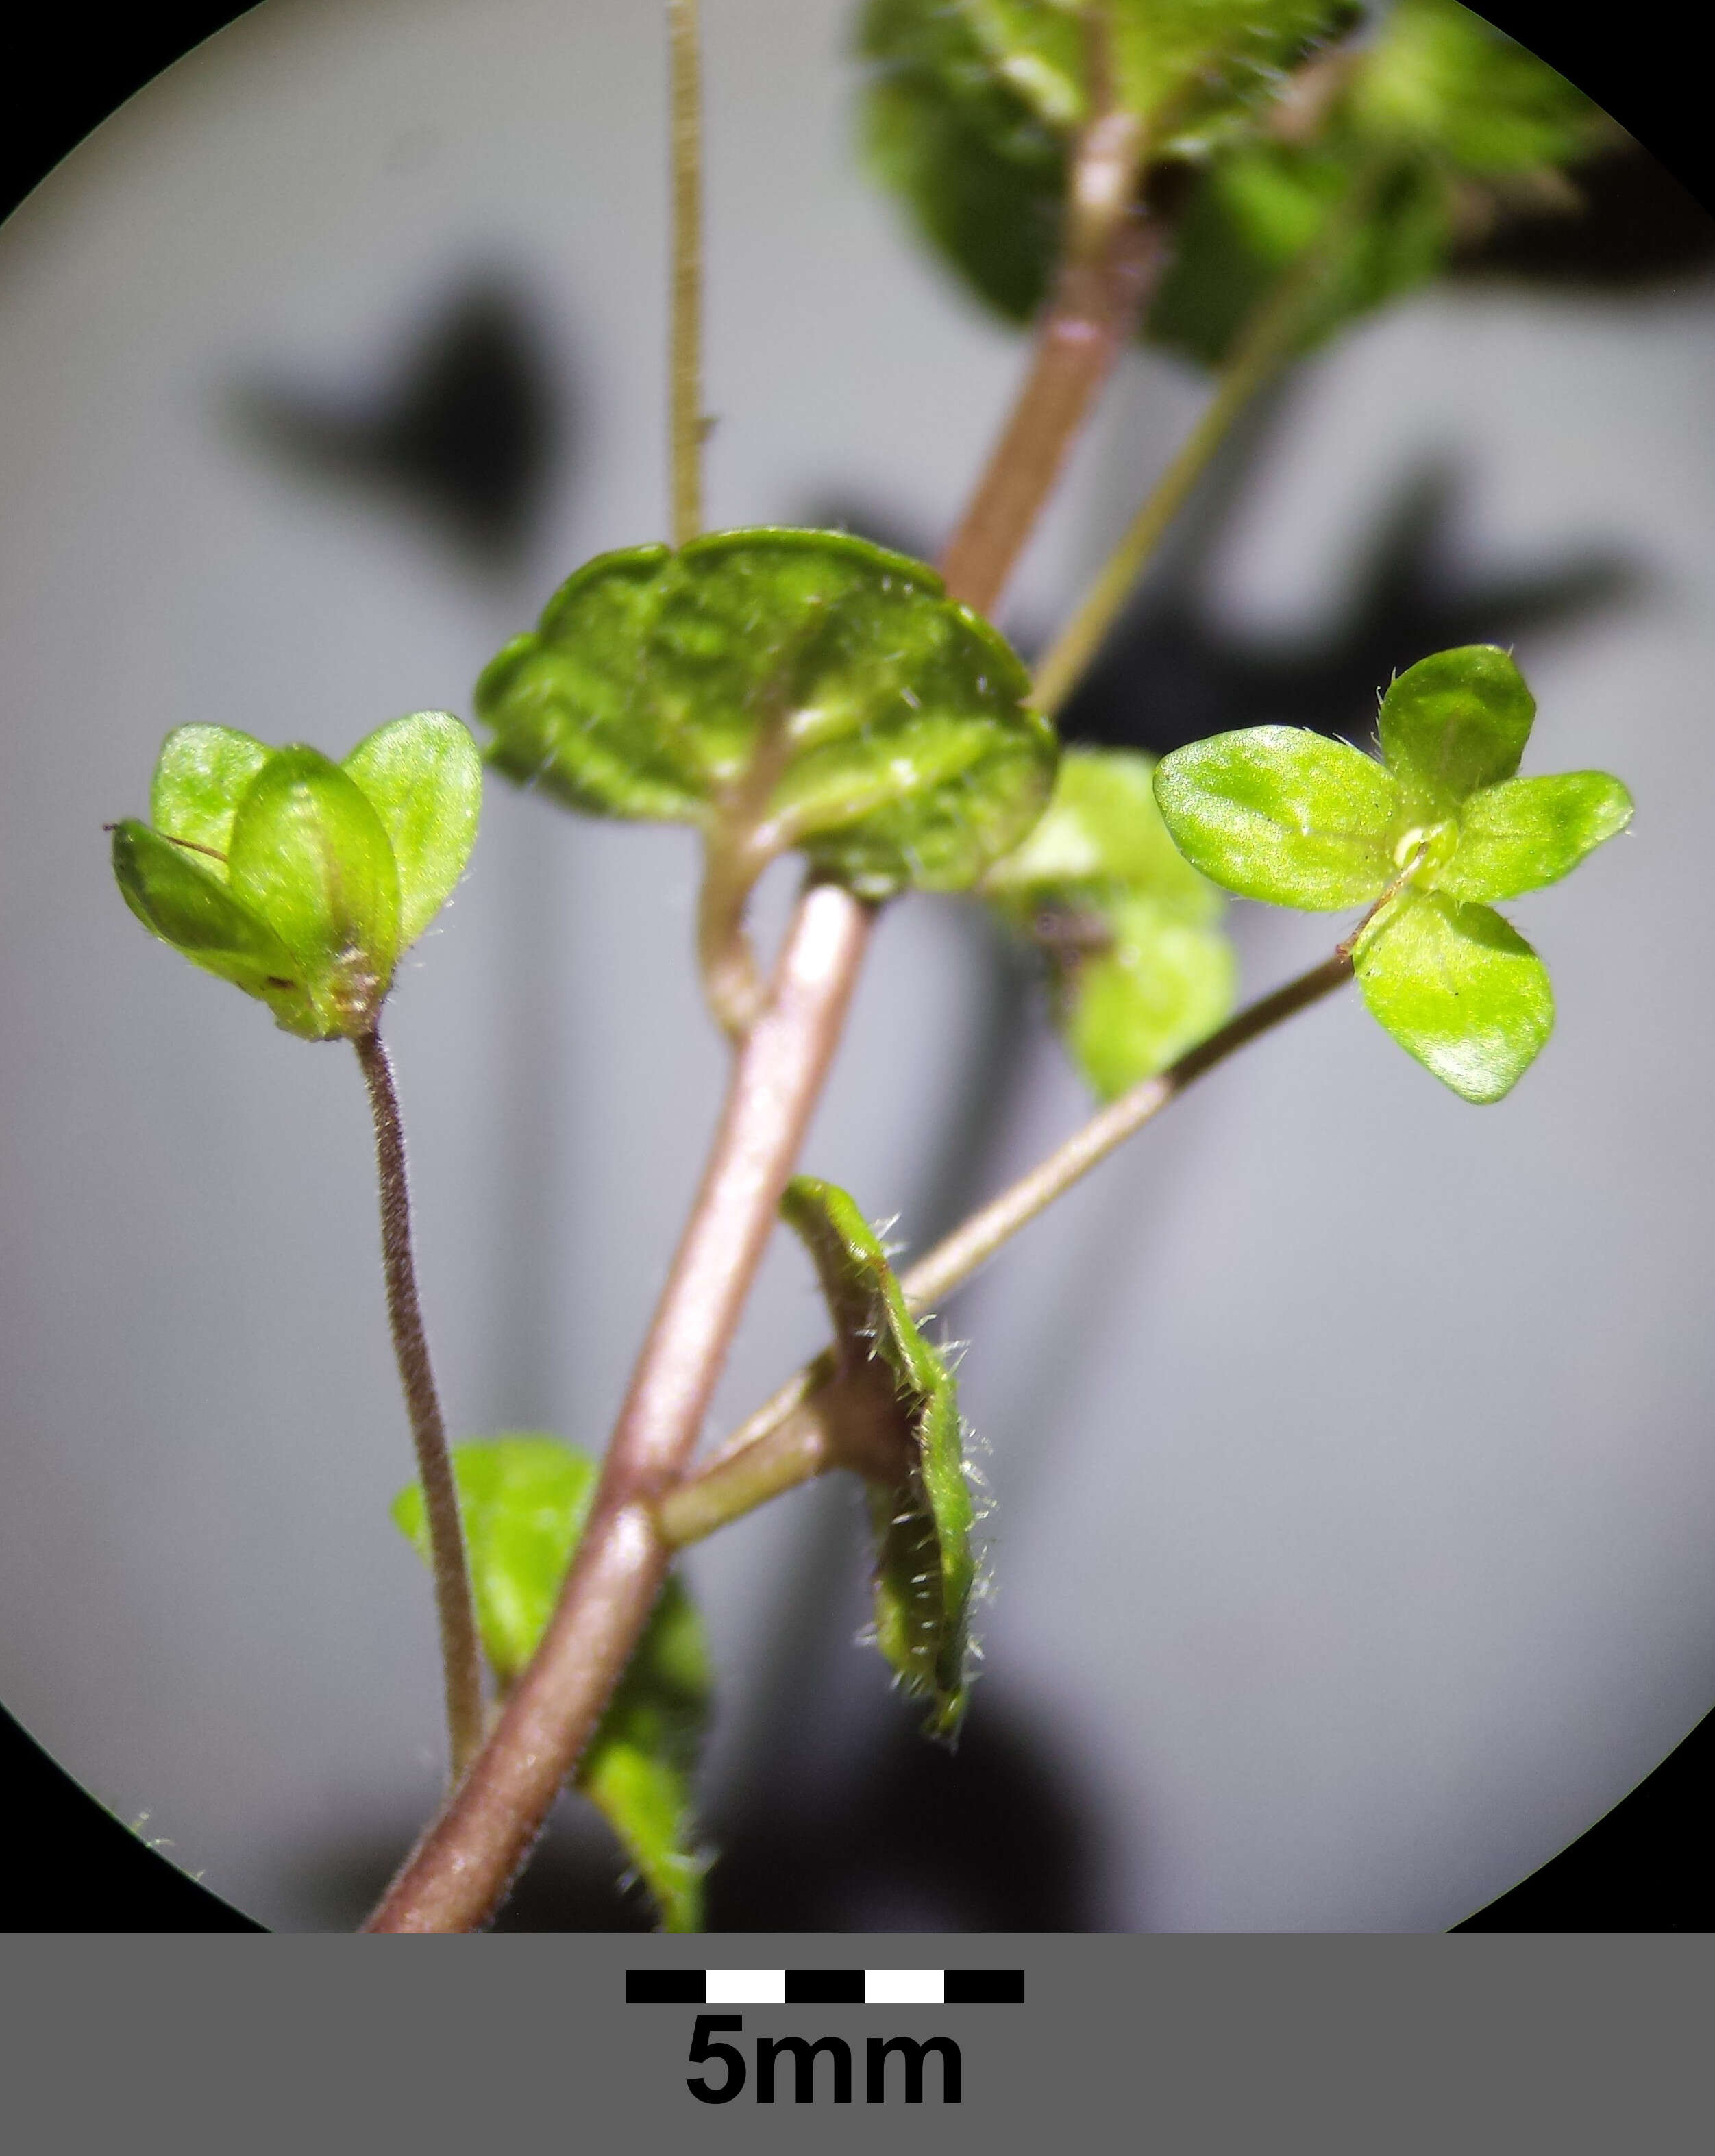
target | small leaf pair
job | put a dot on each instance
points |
(300, 881)
(1427, 838)
(779, 689)
(525, 1501)
(925, 1569)
(1143, 970)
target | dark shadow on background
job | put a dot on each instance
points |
(1172, 671)
(1627, 226)
(471, 430)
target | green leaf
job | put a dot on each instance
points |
(1459, 988)
(308, 855)
(525, 1501)
(422, 777)
(925, 1570)
(199, 780)
(1101, 836)
(823, 685)
(1143, 969)
(1190, 69)
(1439, 81)
(982, 173)
(1528, 832)
(1452, 723)
(1162, 985)
(1281, 814)
(1258, 209)
(181, 897)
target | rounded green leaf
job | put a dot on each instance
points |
(1527, 833)
(824, 687)
(181, 897)
(925, 1567)
(422, 777)
(1163, 985)
(1281, 814)
(1452, 723)
(200, 777)
(308, 855)
(525, 1501)
(1459, 988)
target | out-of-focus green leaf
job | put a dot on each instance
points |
(1256, 211)
(1101, 835)
(308, 855)
(982, 172)
(925, 1570)
(1441, 82)
(1527, 833)
(182, 897)
(200, 777)
(525, 1501)
(859, 714)
(1142, 968)
(1190, 70)
(422, 777)
(1161, 986)
(1454, 722)
(1279, 814)
(972, 105)
(1459, 988)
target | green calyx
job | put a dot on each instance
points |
(301, 881)
(525, 1501)
(1140, 967)
(1427, 838)
(778, 689)
(925, 1567)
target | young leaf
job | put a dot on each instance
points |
(1526, 833)
(525, 1501)
(1459, 988)
(1279, 814)
(199, 780)
(925, 1570)
(1454, 722)
(822, 687)
(1143, 969)
(309, 854)
(1162, 985)
(422, 777)
(180, 896)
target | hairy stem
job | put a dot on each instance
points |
(1112, 258)
(686, 426)
(458, 1873)
(461, 1656)
(461, 1868)
(792, 1431)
